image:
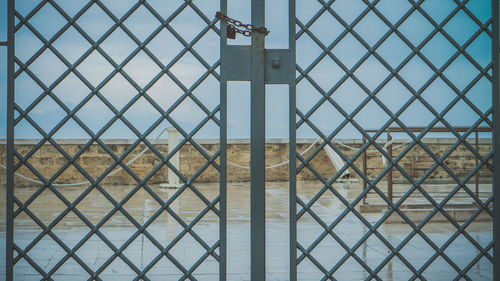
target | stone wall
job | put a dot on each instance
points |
(95, 160)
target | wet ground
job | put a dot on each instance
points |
(187, 248)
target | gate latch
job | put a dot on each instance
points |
(233, 27)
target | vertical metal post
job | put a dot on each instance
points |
(365, 185)
(389, 174)
(292, 147)
(9, 239)
(257, 149)
(223, 181)
(496, 137)
(223, 157)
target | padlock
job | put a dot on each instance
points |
(231, 32)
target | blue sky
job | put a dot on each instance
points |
(165, 46)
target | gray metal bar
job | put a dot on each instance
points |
(292, 197)
(496, 135)
(9, 237)
(4, 43)
(293, 182)
(223, 155)
(223, 183)
(257, 149)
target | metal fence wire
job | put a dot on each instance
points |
(25, 22)
(65, 57)
(372, 51)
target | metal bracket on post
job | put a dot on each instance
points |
(279, 68)
(236, 63)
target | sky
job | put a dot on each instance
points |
(187, 70)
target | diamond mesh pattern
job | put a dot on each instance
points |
(112, 23)
(45, 45)
(389, 68)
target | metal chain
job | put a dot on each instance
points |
(237, 26)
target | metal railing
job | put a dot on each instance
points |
(306, 205)
(389, 148)
(260, 66)
(18, 67)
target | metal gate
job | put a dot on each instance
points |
(343, 64)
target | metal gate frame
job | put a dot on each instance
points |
(496, 134)
(118, 161)
(262, 66)
(393, 162)
(258, 63)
